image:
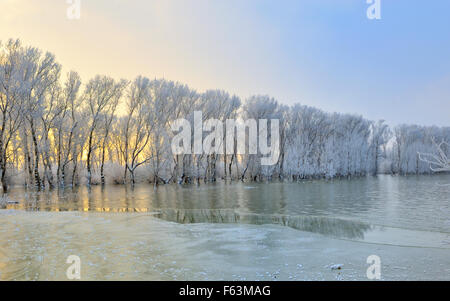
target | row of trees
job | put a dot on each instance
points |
(56, 132)
(410, 142)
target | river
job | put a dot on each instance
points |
(232, 231)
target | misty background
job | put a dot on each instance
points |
(325, 54)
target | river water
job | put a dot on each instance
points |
(232, 231)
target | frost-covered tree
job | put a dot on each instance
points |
(101, 96)
(40, 87)
(134, 129)
(438, 161)
(11, 101)
(66, 126)
(380, 136)
(409, 142)
(53, 132)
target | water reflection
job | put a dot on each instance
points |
(317, 224)
(416, 202)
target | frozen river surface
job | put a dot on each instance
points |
(276, 231)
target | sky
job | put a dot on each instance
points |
(321, 53)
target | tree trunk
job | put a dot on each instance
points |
(133, 180)
(88, 159)
(102, 167)
(63, 177)
(3, 174)
(37, 178)
(74, 172)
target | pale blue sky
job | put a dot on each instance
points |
(324, 53)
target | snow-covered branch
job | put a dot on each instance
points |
(438, 161)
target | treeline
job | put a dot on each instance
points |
(58, 132)
(411, 140)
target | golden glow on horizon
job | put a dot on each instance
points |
(100, 43)
(248, 49)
